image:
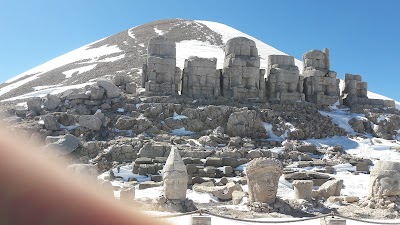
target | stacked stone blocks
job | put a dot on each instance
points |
(284, 82)
(201, 79)
(242, 77)
(160, 74)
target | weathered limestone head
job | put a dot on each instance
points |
(175, 177)
(385, 179)
(194, 61)
(317, 59)
(262, 177)
(280, 60)
(241, 46)
(161, 46)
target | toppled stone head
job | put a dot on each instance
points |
(385, 179)
(263, 177)
(175, 177)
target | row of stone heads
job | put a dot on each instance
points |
(240, 47)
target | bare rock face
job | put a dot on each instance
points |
(175, 177)
(245, 124)
(385, 179)
(263, 177)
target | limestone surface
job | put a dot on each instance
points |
(385, 179)
(175, 177)
(263, 178)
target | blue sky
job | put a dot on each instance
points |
(362, 35)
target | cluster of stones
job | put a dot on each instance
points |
(241, 77)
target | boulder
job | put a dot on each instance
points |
(50, 122)
(51, 102)
(91, 122)
(112, 91)
(125, 123)
(130, 88)
(245, 123)
(63, 144)
(35, 104)
(96, 92)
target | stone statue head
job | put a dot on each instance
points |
(263, 177)
(385, 179)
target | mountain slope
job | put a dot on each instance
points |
(125, 53)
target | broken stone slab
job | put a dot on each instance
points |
(148, 184)
(328, 189)
(92, 122)
(130, 88)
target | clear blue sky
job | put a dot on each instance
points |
(362, 35)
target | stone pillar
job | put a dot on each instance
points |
(303, 189)
(262, 177)
(175, 177)
(385, 179)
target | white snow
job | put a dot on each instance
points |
(159, 32)
(179, 117)
(51, 90)
(228, 32)
(80, 70)
(187, 48)
(378, 96)
(181, 132)
(82, 53)
(341, 117)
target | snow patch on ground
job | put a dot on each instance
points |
(159, 32)
(181, 132)
(342, 117)
(82, 53)
(228, 32)
(187, 48)
(80, 70)
(50, 90)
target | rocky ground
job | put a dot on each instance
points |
(110, 125)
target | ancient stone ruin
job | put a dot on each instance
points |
(160, 74)
(263, 178)
(284, 82)
(355, 93)
(242, 79)
(320, 83)
(201, 78)
(385, 179)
